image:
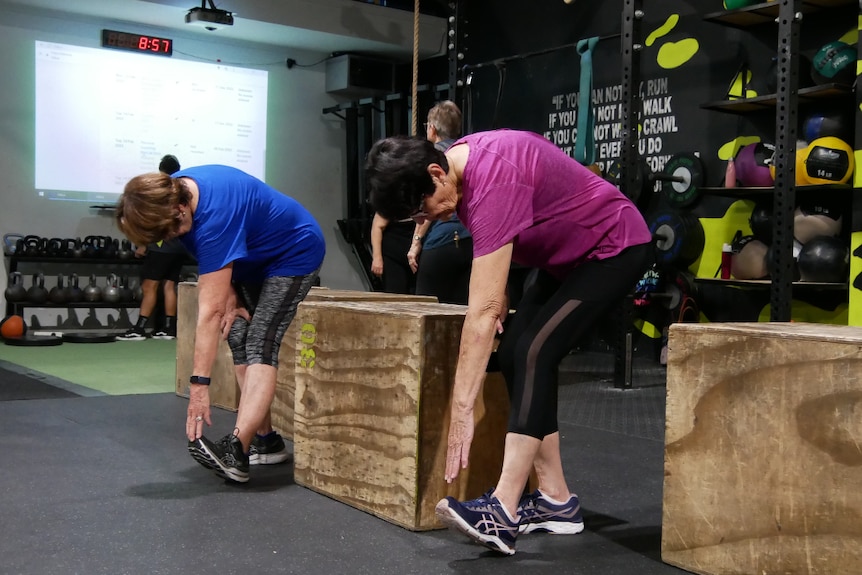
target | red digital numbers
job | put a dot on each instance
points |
(136, 42)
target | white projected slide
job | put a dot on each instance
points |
(104, 116)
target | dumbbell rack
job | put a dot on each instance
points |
(785, 102)
(84, 267)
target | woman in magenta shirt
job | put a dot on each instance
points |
(527, 202)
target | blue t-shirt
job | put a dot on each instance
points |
(442, 232)
(242, 220)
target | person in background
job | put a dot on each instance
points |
(259, 252)
(525, 201)
(162, 266)
(445, 246)
(390, 242)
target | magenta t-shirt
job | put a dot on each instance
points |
(518, 187)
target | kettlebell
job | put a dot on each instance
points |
(137, 292)
(125, 252)
(111, 293)
(57, 295)
(126, 294)
(110, 247)
(91, 246)
(37, 292)
(15, 290)
(32, 246)
(76, 248)
(73, 293)
(56, 248)
(92, 292)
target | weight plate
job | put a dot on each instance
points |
(684, 176)
(641, 192)
(34, 341)
(679, 238)
(674, 296)
(81, 337)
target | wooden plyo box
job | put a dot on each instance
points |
(224, 390)
(373, 388)
(282, 404)
(763, 451)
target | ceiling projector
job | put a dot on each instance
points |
(209, 18)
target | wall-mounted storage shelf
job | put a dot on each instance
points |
(811, 94)
(787, 15)
(761, 192)
(767, 12)
(766, 284)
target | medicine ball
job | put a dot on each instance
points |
(822, 124)
(761, 222)
(824, 259)
(13, 326)
(752, 165)
(834, 62)
(748, 261)
(812, 219)
(829, 161)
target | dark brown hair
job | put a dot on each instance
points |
(397, 175)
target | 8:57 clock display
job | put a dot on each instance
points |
(140, 43)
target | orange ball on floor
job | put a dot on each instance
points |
(13, 326)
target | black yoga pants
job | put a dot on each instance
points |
(551, 317)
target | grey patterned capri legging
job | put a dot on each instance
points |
(272, 306)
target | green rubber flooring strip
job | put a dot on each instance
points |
(115, 368)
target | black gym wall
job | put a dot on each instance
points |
(686, 62)
(305, 148)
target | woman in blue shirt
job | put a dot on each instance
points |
(258, 252)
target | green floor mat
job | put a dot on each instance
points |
(115, 368)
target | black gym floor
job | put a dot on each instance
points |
(104, 485)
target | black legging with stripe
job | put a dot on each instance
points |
(551, 317)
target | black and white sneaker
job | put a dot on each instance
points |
(224, 457)
(267, 449)
(163, 334)
(134, 334)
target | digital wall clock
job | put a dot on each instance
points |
(141, 43)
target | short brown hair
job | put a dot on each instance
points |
(147, 209)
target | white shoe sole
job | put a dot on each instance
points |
(269, 458)
(553, 527)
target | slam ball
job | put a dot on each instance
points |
(834, 62)
(822, 124)
(815, 219)
(13, 326)
(752, 165)
(760, 222)
(829, 160)
(748, 261)
(824, 259)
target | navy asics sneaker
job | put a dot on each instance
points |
(539, 514)
(483, 520)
